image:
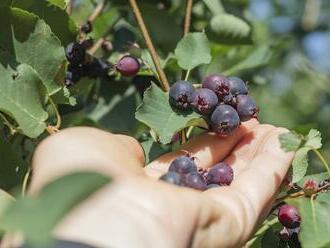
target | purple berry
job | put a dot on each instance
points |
(237, 86)
(128, 66)
(221, 174)
(224, 119)
(88, 43)
(172, 177)
(183, 165)
(212, 185)
(246, 107)
(86, 27)
(75, 53)
(288, 216)
(195, 180)
(218, 84)
(204, 101)
(181, 94)
(97, 68)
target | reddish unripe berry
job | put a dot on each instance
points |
(128, 66)
(310, 187)
(218, 84)
(221, 174)
(204, 101)
(288, 216)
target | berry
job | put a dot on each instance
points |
(218, 84)
(224, 119)
(73, 75)
(246, 107)
(172, 177)
(221, 174)
(128, 66)
(107, 45)
(195, 180)
(183, 165)
(181, 94)
(87, 43)
(204, 101)
(97, 68)
(86, 27)
(310, 187)
(237, 86)
(212, 185)
(288, 216)
(75, 53)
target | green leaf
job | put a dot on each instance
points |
(156, 113)
(314, 139)
(258, 57)
(59, 3)
(300, 164)
(193, 50)
(36, 216)
(229, 29)
(30, 41)
(13, 167)
(56, 17)
(215, 6)
(315, 226)
(5, 3)
(290, 141)
(153, 150)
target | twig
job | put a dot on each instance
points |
(163, 80)
(54, 129)
(97, 11)
(187, 20)
(69, 7)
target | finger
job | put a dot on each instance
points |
(247, 148)
(252, 192)
(133, 147)
(84, 148)
(208, 148)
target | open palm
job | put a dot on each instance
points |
(137, 210)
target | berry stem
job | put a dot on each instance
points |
(25, 181)
(187, 20)
(163, 79)
(97, 11)
(53, 129)
(322, 159)
(12, 129)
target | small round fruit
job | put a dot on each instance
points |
(195, 180)
(75, 53)
(204, 101)
(97, 68)
(181, 94)
(310, 187)
(288, 216)
(172, 177)
(183, 165)
(128, 66)
(73, 75)
(219, 84)
(86, 27)
(246, 107)
(88, 43)
(221, 174)
(237, 86)
(224, 119)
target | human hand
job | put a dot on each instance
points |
(140, 211)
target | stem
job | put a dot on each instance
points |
(163, 80)
(187, 75)
(25, 182)
(187, 19)
(13, 130)
(183, 136)
(69, 7)
(324, 162)
(97, 11)
(190, 129)
(53, 129)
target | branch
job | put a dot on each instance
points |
(97, 11)
(187, 20)
(163, 80)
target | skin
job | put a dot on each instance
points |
(140, 211)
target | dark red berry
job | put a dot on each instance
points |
(183, 165)
(172, 177)
(246, 107)
(218, 84)
(221, 174)
(86, 27)
(224, 119)
(204, 101)
(237, 86)
(128, 66)
(75, 53)
(195, 180)
(180, 95)
(288, 216)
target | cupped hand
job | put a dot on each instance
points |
(137, 210)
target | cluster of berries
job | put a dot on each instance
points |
(289, 217)
(81, 64)
(183, 171)
(223, 101)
